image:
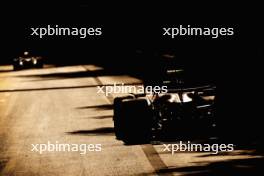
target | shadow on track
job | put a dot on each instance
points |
(105, 131)
(98, 107)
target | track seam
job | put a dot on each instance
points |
(148, 149)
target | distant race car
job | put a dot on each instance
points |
(181, 111)
(27, 61)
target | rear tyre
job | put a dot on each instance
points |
(39, 64)
(117, 114)
(136, 121)
(16, 67)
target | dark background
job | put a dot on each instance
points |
(232, 62)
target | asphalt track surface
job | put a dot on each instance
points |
(61, 105)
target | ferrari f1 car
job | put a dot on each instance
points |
(183, 111)
(27, 61)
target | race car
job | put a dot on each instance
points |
(27, 61)
(182, 111)
(178, 113)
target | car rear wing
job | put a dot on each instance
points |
(193, 89)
